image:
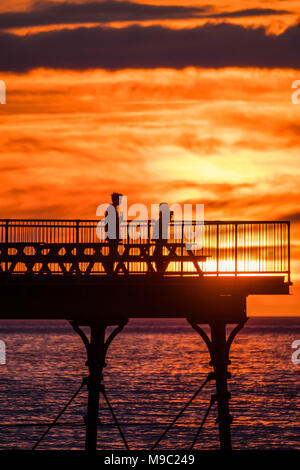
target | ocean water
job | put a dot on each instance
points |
(153, 368)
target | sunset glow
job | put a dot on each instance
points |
(223, 135)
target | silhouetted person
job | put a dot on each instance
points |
(161, 234)
(113, 238)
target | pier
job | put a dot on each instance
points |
(60, 269)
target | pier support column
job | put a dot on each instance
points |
(219, 347)
(96, 349)
(95, 363)
(220, 362)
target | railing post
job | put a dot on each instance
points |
(259, 246)
(149, 231)
(218, 248)
(77, 231)
(181, 251)
(289, 251)
(6, 243)
(281, 247)
(148, 242)
(235, 247)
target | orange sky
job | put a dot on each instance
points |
(227, 137)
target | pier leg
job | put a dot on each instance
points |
(96, 349)
(220, 364)
(219, 348)
(95, 363)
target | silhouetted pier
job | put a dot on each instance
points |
(60, 269)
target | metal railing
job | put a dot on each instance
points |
(229, 247)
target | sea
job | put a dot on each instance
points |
(153, 368)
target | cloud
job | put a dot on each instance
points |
(57, 13)
(248, 13)
(294, 216)
(210, 45)
(191, 141)
(49, 13)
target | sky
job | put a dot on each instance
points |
(161, 100)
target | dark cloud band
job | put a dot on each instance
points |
(56, 13)
(218, 45)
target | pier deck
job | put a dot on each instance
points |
(90, 298)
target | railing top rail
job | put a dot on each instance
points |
(96, 221)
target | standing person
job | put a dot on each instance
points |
(161, 235)
(113, 237)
